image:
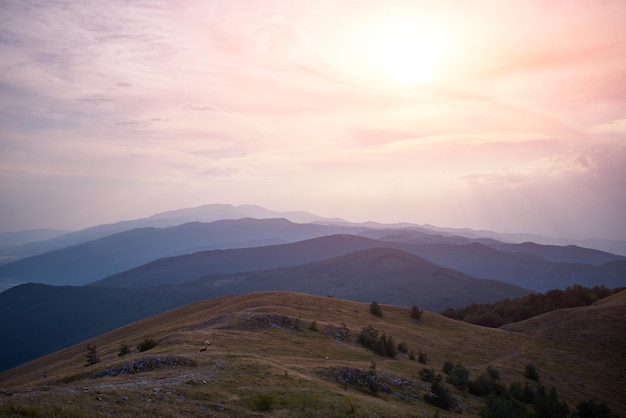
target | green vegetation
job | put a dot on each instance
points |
(124, 349)
(92, 354)
(457, 375)
(530, 372)
(379, 344)
(146, 344)
(264, 402)
(438, 394)
(375, 309)
(513, 310)
(416, 313)
(403, 347)
(423, 357)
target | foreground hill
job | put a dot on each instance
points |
(266, 358)
(42, 318)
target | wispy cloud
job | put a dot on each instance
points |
(144, 100)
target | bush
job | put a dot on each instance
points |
(549, 405)
(485, 385)
(92, 354)
(146, 344)
(458, 377)
(124, 349)
(493, 373)
(530, 372)
(448, 366)
(440, 396)
(423, 357)
(499, 407)
(412, 355)
(416, 313)
(428, 375)
(403, 347)
(381, 345)
(375, 309)
(590, 408)
(264, 402)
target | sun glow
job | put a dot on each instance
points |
(409, 49)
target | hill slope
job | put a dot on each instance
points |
(261, 361)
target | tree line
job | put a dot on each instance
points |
(513, 310)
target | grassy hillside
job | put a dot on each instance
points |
(265, 360)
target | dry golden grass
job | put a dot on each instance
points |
(275, 371)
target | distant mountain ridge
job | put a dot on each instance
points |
(96, 259)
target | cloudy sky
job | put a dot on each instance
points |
(504, 115)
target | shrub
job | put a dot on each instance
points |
(530, 372)
(146, 344)
(416, 313)
(590, 408)
(124, 349)
(412, 355)
(458, 377)
(92, 354)
(264, 402)
(423, 357)
(440, 396)
(428, 375)
(500, 407)
(448, 366)
(403, 347)
(549, 405)
(375, 309)
(381, 345)
(493, 373)
(485, 385)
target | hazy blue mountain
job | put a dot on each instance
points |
(529, 271)
(175, 270)
(526, 270)
(93, 260)
(562, 254)
(205, 213)
(386, 275)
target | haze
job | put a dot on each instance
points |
(509, 116)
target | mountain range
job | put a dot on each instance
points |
(97, 285)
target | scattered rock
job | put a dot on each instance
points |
(143, 364)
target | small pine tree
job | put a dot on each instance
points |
(422, 358)
(124, 349)
(92, 354)
(416, 313)
(146, 344)
(412, 355)
(375, 309)
(530, 372)
(403, 347)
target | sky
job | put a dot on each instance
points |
(500, 115)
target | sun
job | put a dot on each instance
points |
(408, 49)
